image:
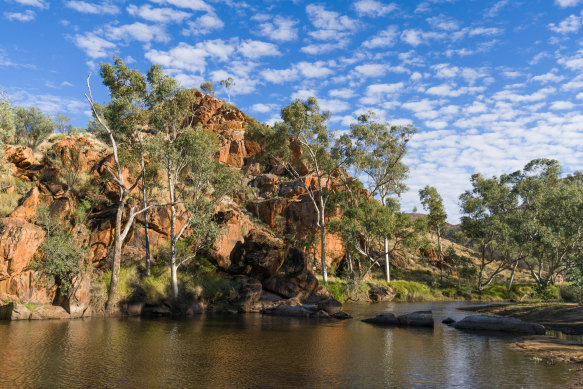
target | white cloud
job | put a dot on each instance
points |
(303, 94)
(158, 15)
(373, 8)
(280, 29)
(342, 93)
(25, 16)
(416, 37)
(492, 12)
(385, 38)
(548, 77)
(317, 69)
(321, 48)
(263, 108)
(333, 105)
(323, 19)
(195, 5)
(279, 76)
(94, 46)
(562, 105)
(567, 3)
(137, 31)
(371, 69)
(34, 3)
(191, 58)
(257, 49)
(384, 89)
(443, 22)
(91, 8)
(204, 24)
(571, 24)
(451, 90)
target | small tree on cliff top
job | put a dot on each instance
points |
(304, 128)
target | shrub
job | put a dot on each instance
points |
(61, 259)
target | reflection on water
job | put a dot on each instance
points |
(262, 351)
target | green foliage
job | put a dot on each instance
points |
(208, 87)
(377, 150)
(32, 126)
(414, 291)
(61, 258)
(532, 216)
(433, 203)
(228, 84)
(338, 290)
(63, 124)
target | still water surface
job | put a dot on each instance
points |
(261, 351)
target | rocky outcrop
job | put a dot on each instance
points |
(76, 301)
(27, 206)
(19, 241)
(262, 255)
(234, 227)
(14, 311)
(498, 323)
(417, 319)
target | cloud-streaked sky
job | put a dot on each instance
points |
(489, 85)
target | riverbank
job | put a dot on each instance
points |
(565, 319)
(346, 290)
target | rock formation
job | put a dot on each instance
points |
(269, 268)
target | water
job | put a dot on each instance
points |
(262, 351)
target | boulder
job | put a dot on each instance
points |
(22, 157)
(448, 321)
(386, 318)
(498, 323)
(249, 292)
(263, 254)
(27, 205)
(23, 287)
(14, 311)
(380, 293)
(266, 183)
(19, 241)
(43, 312)
(288, 310)
(79, 296)
(234, 226)
(417, 319)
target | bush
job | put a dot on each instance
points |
(61, 259)
(414, 291)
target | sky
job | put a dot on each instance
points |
(489, 85)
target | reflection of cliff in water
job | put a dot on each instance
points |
(257, 350)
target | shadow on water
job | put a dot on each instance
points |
(265, 351)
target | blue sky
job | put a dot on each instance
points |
(490, 85)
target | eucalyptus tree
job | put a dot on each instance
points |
(490, 221)
(228, 84)
(436, 220)
(304, 128)
(377, 152)
(63, 124)
(194, 179)
(119, 124)
(32, 126)
(7, 125)
(208, 87)
(551, 210)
